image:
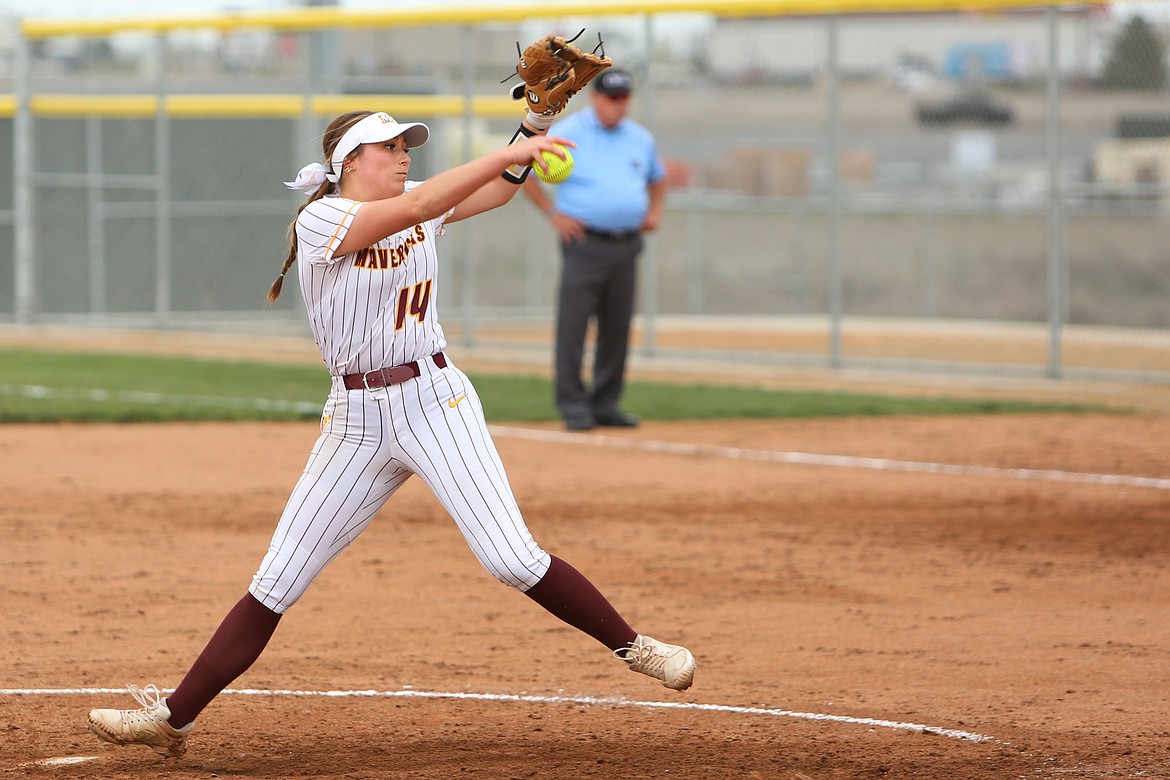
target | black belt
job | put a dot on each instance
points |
(612, 235)
(384, 377)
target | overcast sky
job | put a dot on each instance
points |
(80, 9)
(120, 8)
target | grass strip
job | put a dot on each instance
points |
(42, 387)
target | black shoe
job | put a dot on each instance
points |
(580, 422)
(617, 419)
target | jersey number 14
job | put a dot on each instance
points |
(415, 305)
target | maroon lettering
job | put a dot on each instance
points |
(400, 315)
(390, 257)
(418, 301)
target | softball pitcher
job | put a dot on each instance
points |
(367, 242)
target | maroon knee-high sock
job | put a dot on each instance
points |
(566, 593)
(235, 646)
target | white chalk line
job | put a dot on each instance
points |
(673, 448)
(63, 761)
(832, 461)
(588, 701)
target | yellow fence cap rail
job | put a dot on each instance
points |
(216, 106)
(410, 106)
(94, 105)
(297, 19)
(224, 106)
(323, 18)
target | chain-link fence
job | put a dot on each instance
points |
(958, 189)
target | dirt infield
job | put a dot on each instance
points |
(835, 609)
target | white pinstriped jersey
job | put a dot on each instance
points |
(368, 310)
(374, 308)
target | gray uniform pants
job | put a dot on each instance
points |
(598, 278)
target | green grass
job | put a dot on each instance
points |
(60, 386)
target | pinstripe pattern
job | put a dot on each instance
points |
(354, 311)
(372, 441)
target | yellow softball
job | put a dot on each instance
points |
(558, 169)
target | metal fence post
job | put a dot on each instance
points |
(24, 227)
(162, 202)
(696, 240)
(306, 140)
(1056, 270)
(467, 234)
(832, 143)
(95, 214)
(649, 252)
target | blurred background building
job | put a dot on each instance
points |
(938, 170)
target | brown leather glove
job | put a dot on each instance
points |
(553, 71)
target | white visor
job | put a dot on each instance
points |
(374, 129)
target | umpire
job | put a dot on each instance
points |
(614, 195)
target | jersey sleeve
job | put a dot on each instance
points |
(438, 222)
(321, 227)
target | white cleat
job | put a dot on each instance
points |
(145, 726)
(672, 665)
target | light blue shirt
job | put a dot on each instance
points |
(612, 168)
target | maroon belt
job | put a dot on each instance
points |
(384, 377)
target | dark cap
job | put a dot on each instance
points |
(614, 83)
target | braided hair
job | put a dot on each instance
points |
(329, 140)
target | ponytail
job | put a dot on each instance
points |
(329, 141)
(291, 257)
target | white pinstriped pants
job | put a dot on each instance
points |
(371, 442)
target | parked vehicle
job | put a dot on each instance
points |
(969, 105)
